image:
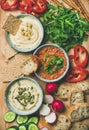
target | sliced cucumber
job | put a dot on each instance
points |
(12, 128)
(33, 119)
(9, 116)
(21, 119)
(32, 126)
(23, 127)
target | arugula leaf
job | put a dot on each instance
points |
(64, 27)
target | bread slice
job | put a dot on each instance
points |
(63, 123)
(12, 69)
(12, 24)
(77, 96)
(30, 65)
(83, 85)
(64, 90)
(79, 126)
(78, 112)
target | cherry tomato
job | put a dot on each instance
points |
(30, 11)
(80, 56)
(40, 6)
(32, 2)
(76, 74)
(9, 4)
(23, 5)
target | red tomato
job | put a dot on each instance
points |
(32, 2)
(80, 56)
(9, 4)
(30, 10)
(76, 74)
(23, 5)
(40, 6)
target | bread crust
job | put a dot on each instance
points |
(77, 96)
(78, 112)
(63, 123)
(30, 65)
(79, 126)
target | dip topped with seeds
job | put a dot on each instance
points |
(24, 95)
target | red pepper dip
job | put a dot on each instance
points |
(53, 62)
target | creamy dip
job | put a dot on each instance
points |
(24, 95)
(27, 40)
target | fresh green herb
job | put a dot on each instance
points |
(46, 56)
(54, 63)
(64, 27)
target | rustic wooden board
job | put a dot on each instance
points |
(4, 50)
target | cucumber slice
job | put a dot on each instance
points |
(21, 119)
(12, 128)
(32, 126)
(9, 116)
(33, 119)
(23, 127)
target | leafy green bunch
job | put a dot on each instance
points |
(64, 27)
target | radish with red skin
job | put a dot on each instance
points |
(51, 87)
(44, 110)
(51, 118)
(58, 106)
(44, 128)
(48, 99)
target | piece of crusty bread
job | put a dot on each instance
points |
(12, 24)
(65, 88)
(83, 85)
(79, 126)
(12, 69)
(30, 65)
(77, 96)
(78, 112)
(63, 123)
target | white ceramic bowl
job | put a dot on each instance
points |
(32, 47)
(19, 111)
(67, 60)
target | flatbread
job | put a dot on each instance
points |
(12, 24)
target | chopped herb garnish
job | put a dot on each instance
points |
(54, 63)
(45, 58)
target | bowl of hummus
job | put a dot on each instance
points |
(54, 62)
(29, 35)
(23, 96)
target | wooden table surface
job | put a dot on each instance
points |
(4, 49)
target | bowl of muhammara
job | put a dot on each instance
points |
(54, 62)
(23, 96)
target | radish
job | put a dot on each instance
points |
(48, 99)
(58, 106)
(51, 118)
(51, 87)
(44, 128)
(44, 110)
